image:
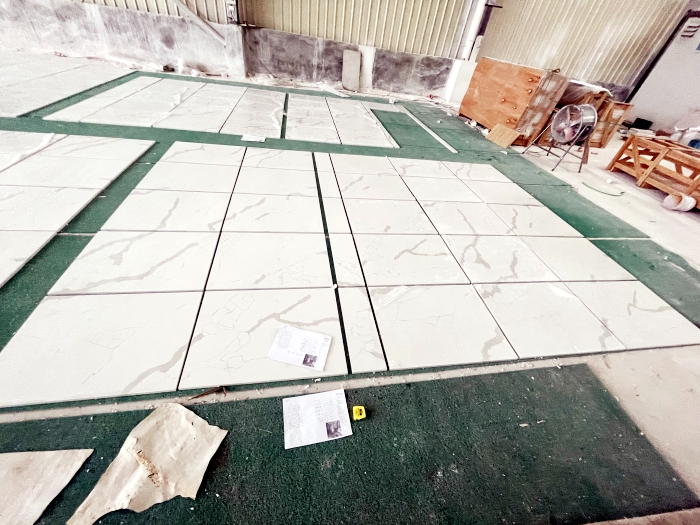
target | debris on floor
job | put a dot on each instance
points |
(300, 347)
(315, 418)
(252, 138)
(29, 481)
(164, 456)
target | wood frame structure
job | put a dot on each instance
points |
(660, 163)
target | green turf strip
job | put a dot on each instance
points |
(664, 272)
(450, 451)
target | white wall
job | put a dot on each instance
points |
(673, 87)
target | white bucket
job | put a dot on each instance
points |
(679, 202)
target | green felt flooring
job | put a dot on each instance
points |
(450, 451)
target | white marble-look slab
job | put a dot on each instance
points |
(258, 112)
(278, 159)
(35, 93)
(373, 187)
(270, 260)
(348, 271)
(125, 262)
(501, 193)
(206, 110)
(421, 168)
(304, 129)
(268, 181)
(484, 172)
(273, 213)
(546, 319)
(357, 125)
(195, 153)
(205, 119)
(17, 247)
(323, 162)
(180, 176)
(87, 107)
(183, 211)
(329, 184)
(14, 143)
(336, 217)
(442, 190)
(390, 260)
(465, 218)
(147, 106)
(363, 134)
(36, 208)
(495, 259)
(235, 330)
(576, 259)
(535, 221)
(636, 315)
(385, 216)
(78, 146)
(425, 326)
(362, 164)
(94, 346)
(63, 172)
(364, 347)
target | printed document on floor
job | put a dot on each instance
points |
(315, 418)
(300, 347)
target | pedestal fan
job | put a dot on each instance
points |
(572, 124)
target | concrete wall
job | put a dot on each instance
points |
(291, 56)
(77, 29)
(412, 74)
(672, 89)
(80, 29)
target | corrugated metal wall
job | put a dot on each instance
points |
(426, 27)
(593, 40)
(211, 10)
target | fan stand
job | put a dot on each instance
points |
(586, 130)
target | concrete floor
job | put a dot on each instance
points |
(658, 388)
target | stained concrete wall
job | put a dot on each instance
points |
(412, 74)
(77, 29)
(312, 59)
(291, 56)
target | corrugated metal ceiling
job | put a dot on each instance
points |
(593, 40)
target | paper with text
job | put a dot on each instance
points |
(315, 418)
(300, 347)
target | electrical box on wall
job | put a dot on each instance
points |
(232, 11)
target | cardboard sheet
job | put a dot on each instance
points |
(164, 456)
(315, 418)
(29, 481)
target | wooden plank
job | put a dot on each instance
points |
(499, 93)
(502, 135)
(540, 108)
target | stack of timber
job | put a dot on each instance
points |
(517, 97)
(662, 163)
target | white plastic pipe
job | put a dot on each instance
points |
(479, 9)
